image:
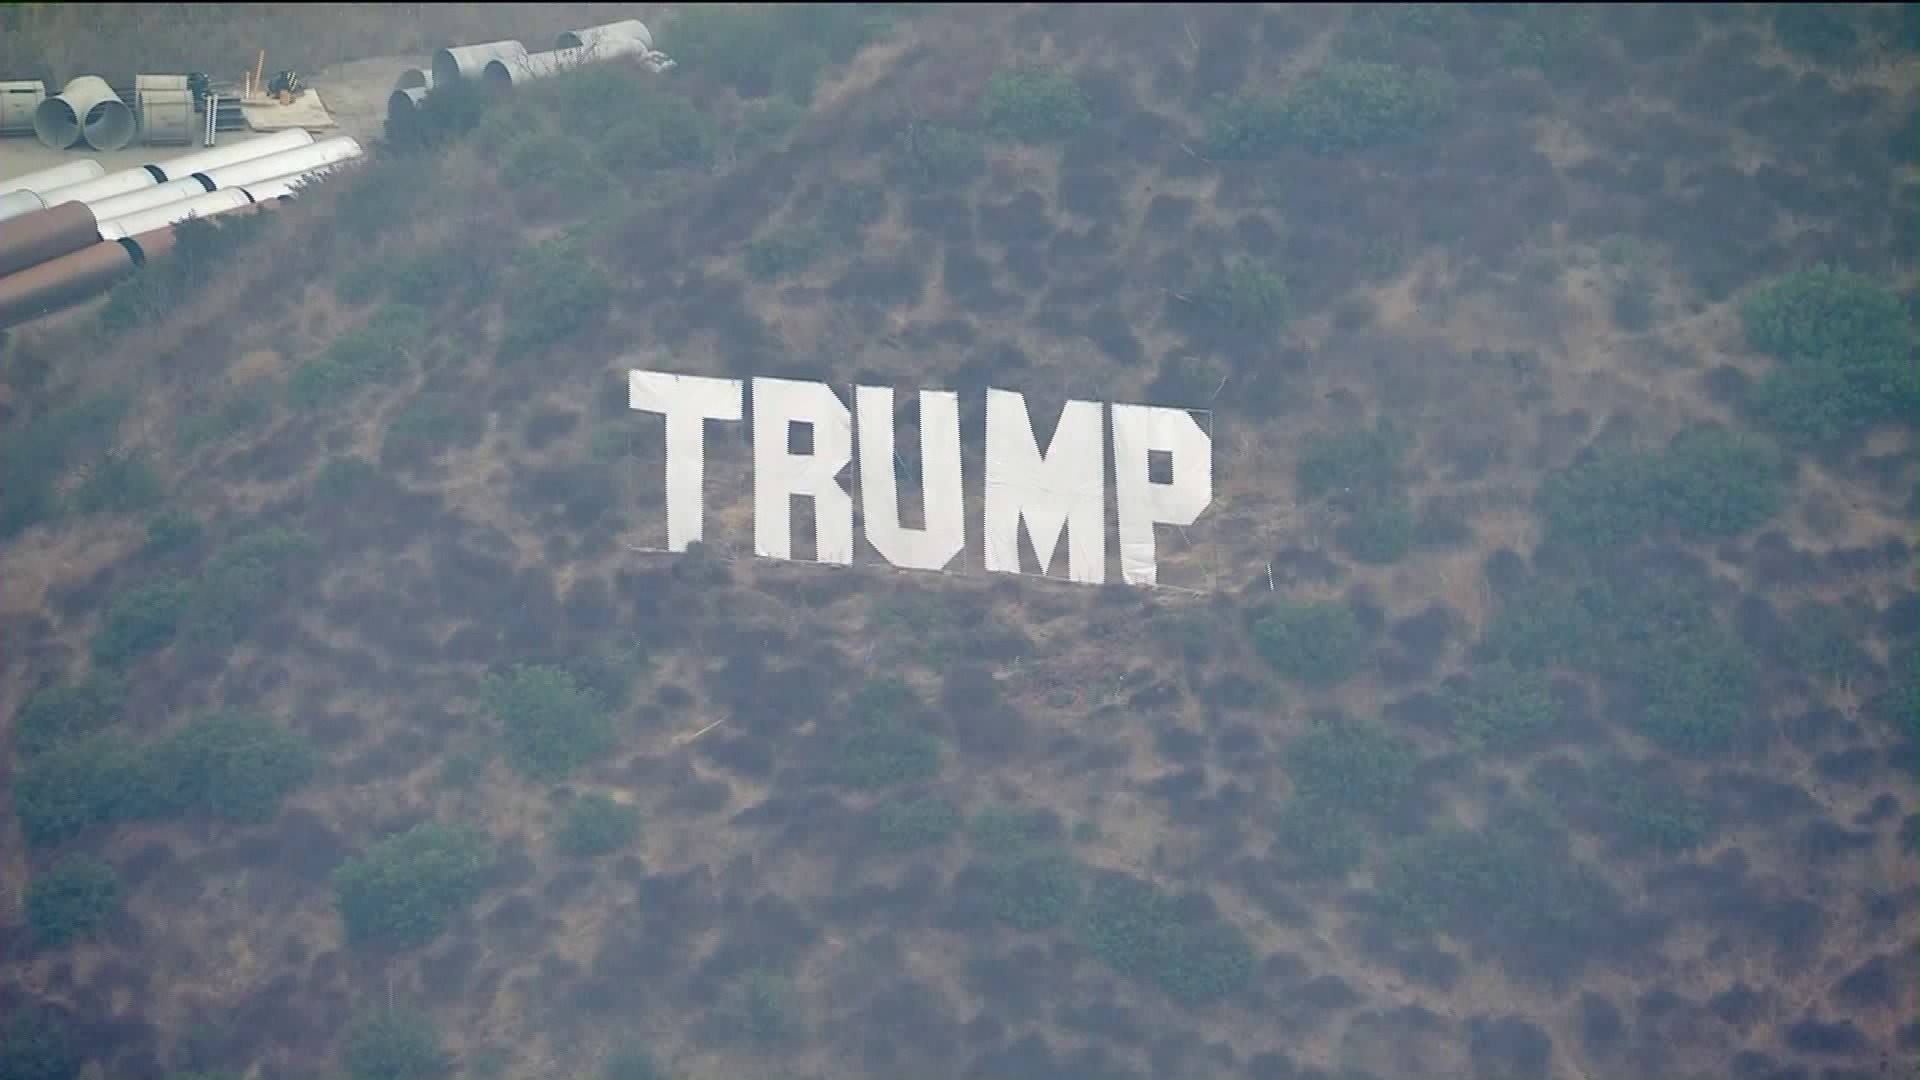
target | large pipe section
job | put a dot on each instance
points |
(303, 163)
(508, 73)
(457, 62)
(15, 203)
(68, 279)
(119, 206)
(621, 36)
(165, 105)
(232, 153)
(18, 100)
(403, 107)
(46, 234)
(58, 176)
(106, 187)
(269, 191)
(208, 205)
(87, 108)
(414, 79)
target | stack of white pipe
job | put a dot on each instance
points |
(27, 193)
(302, 163)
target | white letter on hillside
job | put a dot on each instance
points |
(1066, 488)
(1138, 430)
(688, 402)
(933, 547)
(778, 475)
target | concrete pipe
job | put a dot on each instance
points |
(414, 79)
(452, 64)
(69, 279)
(208, 205)
(108, 186)
(232, 153)
(88, 108)
(306, 163)
(614, 33)
(18, 100)
(59, 176)
(165, 106)
(133, 202)
(506, 74)
(15, 203)
(31, 239)
(402, 109)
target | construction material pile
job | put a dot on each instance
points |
(502, 65)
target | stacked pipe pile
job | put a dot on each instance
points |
(501, 65)
(87, 108)
(86, 229)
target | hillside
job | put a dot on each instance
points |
(1540, 700)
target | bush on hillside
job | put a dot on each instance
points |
(397, 1044)
(120, 481)
(1032, 888)
(1317, 839)
(1381, 531)
(379, 351)
(1361, 462)
(141, 620)
(882, 753)
(1502, 708)
(1823, 33)
(551, 723)
(71, 899)
(1319, 644)
(1544, 35)
(1343, 105)
(40, 1045)
(758, 1009)
(1141, 932)
(1846, 355)
(247, 411)
(931, 156)
(1245, 296)
(39, 455)
(172, 530)
(405, 888)
(785, 250)
(632, 1063)
(1706, 483)
(551, 173)
(1355, 766)
(596, 825)
(1617, 799)
(62, 713)
(428, 425)
(909, 824)
(555, 293)
(658, 131)
(200, 247)
(783, 47)
(1033, 103)
(243, 580)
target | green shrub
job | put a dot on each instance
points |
(201, 246)
(555, 294)
(427, 279)
(41, 1045)
(242, 581)
(850, 208)
(1382, 531)
(60, 714)
(758, 1009)
(427, 425)
(1544, 35)
(1706, 483)
(553, 725)
(1316, 838)
(340, 478)
(1378, 30)
(762, 126)
(1002, 828)
(881, 753)
(596, 825)
(1246, 296)
(783, 47)
(1846, 355)
(1133, 927)
(93, 781)
(909, 824)
(246, 411)
(1033, 888)
(632, 1063)
(657, 131)
(377, 352)
(785, 250)
(1823, 33)
(548, 170)
(1319, 644)
(1361, 462)
(1619, 800)
(39, 454)
(141, 620)
(398, 1044)
(1352, 765)
(1342, 105)
(930, 156)
(1033, 103)
(1504, 708)
(117, 483)
(405, 888)
(172, 530)
(71, 898)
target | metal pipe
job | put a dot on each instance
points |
(232, 153)
(15, 203)
(45, 234)
(106, 187)
(152, 244)
(165, 107)
(457, 62)
(58, 176)
(87, 108)
(208, 205)
(306, 162)
(505, 74)
(119, 206)
(591, 37)
(414, 79)
(68, 279)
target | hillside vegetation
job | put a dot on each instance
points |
(1544, 704)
